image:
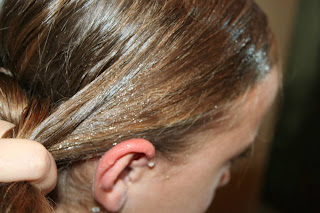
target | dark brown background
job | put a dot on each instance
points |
(283, 175)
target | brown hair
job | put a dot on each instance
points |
(82, 75)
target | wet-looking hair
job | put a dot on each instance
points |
(80, 75)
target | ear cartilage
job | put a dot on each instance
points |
(151, 164)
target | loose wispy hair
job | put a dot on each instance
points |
(84, 74)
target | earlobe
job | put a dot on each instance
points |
(114, 171)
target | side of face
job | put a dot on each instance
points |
(189, 186)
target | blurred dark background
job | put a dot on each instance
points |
(283, 175)
(292, 182)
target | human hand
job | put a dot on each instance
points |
(26, 160)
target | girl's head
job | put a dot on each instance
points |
(87, 79)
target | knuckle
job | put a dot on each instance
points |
(41, 164)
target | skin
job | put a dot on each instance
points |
(26, 160)
(189, 187)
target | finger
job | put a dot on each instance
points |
(27, 160)
(5, 127)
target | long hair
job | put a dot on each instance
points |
(84, 74)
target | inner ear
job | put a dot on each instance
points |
(125, 174)
(138, 160)
(135, 168)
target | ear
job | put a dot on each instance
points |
(117, 168)
(225, 177)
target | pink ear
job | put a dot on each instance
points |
(109, 189)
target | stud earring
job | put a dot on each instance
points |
(151, 164)
(95, 209)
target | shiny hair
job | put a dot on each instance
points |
(81, 75)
